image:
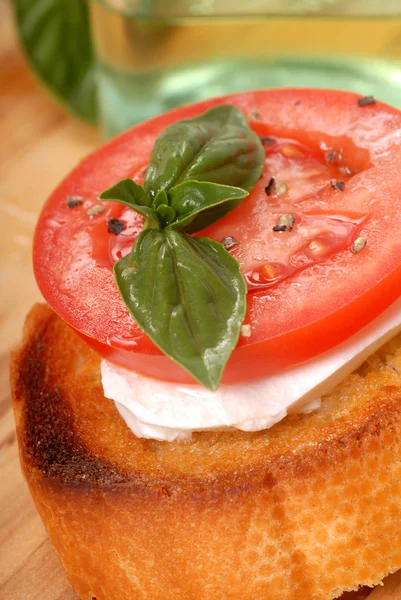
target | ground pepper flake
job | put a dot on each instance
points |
(266, 139)
(255, 115)
(366, 101)
(339, 185)
(331, 155)
(229, 242)
(73, 201)
(269, 189)
(95, 210)
(115, 226)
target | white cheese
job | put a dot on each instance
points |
(168, 411)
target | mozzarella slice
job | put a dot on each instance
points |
(168, 411)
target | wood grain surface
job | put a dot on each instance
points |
(39, 145)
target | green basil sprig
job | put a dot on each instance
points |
(180, 207)
(217, 146)
(187, 293)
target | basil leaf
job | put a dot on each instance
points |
(55, 36)
(188, 295)
(161, 198)
(217, 146)
(127, 192)
(197, 204)
(166, 214)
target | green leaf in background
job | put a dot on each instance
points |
(55, 36)
(197, 204)
(217, 146)
(188, 295)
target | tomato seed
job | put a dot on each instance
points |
(318, 249)
(94, 210)
(285, 223)
(359, 244)
(269, 271)
(263, 274)
(345, 170)
(280, 188)
(290, 151)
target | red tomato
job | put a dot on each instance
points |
(307, 290)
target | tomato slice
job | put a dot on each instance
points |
(337, 170)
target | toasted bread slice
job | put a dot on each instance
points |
(304, 511)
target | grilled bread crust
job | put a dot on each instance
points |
(304, 511)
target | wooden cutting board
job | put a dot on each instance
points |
(39, 145)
